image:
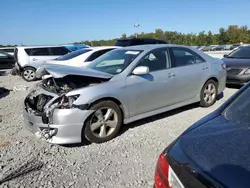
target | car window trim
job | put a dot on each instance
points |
(188, 50)
(86, 60)
(31, 53)
(51, 52)
(167, 49)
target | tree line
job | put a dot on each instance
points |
(234, 34)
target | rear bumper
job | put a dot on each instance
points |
(238, 79)
(65, 126)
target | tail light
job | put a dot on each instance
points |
(165, 176)
(223, 65)
(161, 173)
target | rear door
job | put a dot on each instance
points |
(190, 72)
(38, 55)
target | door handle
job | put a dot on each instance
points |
(171, 75)
(34, 59)
(205, 68)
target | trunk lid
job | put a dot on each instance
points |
(221, 149)
(234, 63)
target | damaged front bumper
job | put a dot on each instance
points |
(57, 126)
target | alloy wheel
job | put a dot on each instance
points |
(29, 74)
(104, 122)
(209, 93)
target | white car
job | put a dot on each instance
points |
(82, 57)
(29, 58)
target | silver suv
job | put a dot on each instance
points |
(29, 58)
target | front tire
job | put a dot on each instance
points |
(29, 74)
(104, 124)
(208, 94)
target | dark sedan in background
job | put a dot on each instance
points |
(214, 152)
(7, 61)
(238, 65)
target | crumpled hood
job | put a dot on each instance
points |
(59, 71)
(222, 149)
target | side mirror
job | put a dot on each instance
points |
(141, 70)
(225, 55)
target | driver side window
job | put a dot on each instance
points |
(156, 60)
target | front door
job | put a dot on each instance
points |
(152, 91)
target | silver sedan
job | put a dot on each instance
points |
(74, 104)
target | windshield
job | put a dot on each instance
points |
(73, 54)
(243, 53)
(239, 110)
(115, 61)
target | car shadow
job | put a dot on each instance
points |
(233, 86)
(157, 117)
(4, 92)
(141, 122)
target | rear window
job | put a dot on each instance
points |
(9, 50)
(238, 111)
(28, 51)
(59, 50)
(240, 53)
(73, 54)
(123, 43)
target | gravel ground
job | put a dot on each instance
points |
(126, 161)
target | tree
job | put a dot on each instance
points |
(233, 34)
(223, 37)
(124, 36)
(209, 38)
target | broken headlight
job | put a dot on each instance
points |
(67, 102)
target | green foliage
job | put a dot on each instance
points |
(232, 35)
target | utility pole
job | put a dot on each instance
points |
(136, 27)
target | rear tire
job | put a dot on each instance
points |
(208, 94)
(104, 124)
(28, 74)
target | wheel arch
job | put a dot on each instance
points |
(115, 100)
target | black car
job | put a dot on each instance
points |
(138, 41)
(238, 65)
(7, 61)
(213, 152)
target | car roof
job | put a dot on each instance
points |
(140, 39)
(153, 46)
(6, 48)
(102, 47)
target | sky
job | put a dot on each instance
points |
(64, 21)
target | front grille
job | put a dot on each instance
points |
(37, 103)
(234, 71)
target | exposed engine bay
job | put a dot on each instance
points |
(36, 101)
(68, 83)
